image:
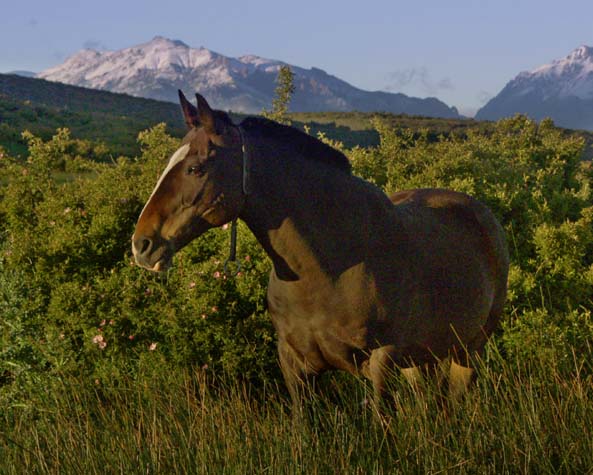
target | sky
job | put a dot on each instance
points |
(461, 51)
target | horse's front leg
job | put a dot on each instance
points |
(299, 375)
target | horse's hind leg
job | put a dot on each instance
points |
(460, 379)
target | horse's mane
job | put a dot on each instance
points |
(306, 145)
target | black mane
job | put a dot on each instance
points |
(306, 145)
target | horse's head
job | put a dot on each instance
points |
(200, 188)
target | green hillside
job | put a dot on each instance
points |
(42, 106)
(116, 119)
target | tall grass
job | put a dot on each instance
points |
(519, 418)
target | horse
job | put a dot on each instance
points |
(360, 281)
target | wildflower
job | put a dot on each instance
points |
(205, 366)
(131, 337)
(111, 322)
(67, 210)
(217, 275)
(248, 258)
(97, 382)
(103, 323)
(192, 285)
(148, 292)
(214, 309)
(152, 347)
(225, 226)
(239, 274)
(99, 340)
(204, 316)
(62, 336)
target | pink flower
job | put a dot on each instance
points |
(111, 322)
(239, 274)
(192, 285)
(99, 340)
(225, 226)
(205, 366)
(214, 309)
(131, 337)
(217, 275)
(103, 323)
(247, 258)
(152, 347)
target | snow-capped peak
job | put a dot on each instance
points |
(569, 76)
(159, 67)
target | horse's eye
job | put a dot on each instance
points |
(197, 170)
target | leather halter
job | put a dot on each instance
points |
(246, 187)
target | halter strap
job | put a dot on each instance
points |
(246, 163)
(246, 183)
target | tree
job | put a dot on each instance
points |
(283, 93)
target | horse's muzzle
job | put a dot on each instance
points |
(151, 255)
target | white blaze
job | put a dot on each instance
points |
(177, 157)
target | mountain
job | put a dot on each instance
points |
(25, 74)
(159, 68)
(42, 106)
(561, 90)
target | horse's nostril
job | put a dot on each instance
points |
(145, 245)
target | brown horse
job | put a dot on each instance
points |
(360, 282)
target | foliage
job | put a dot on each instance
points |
(532, 177)
(76, 301)
(284, 90)
(72, 302)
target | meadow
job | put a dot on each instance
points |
(105, 368)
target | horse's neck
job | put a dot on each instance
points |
(303, 216)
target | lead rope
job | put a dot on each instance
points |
(245, 184)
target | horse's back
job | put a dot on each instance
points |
(467, 212)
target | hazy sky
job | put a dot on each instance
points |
(461, 51)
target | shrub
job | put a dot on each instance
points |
(72, 300)
(78, 303)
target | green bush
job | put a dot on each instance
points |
(533, 178)
(72, 301)
(71, 298)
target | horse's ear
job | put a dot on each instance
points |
(190, 113)
(206, 116)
